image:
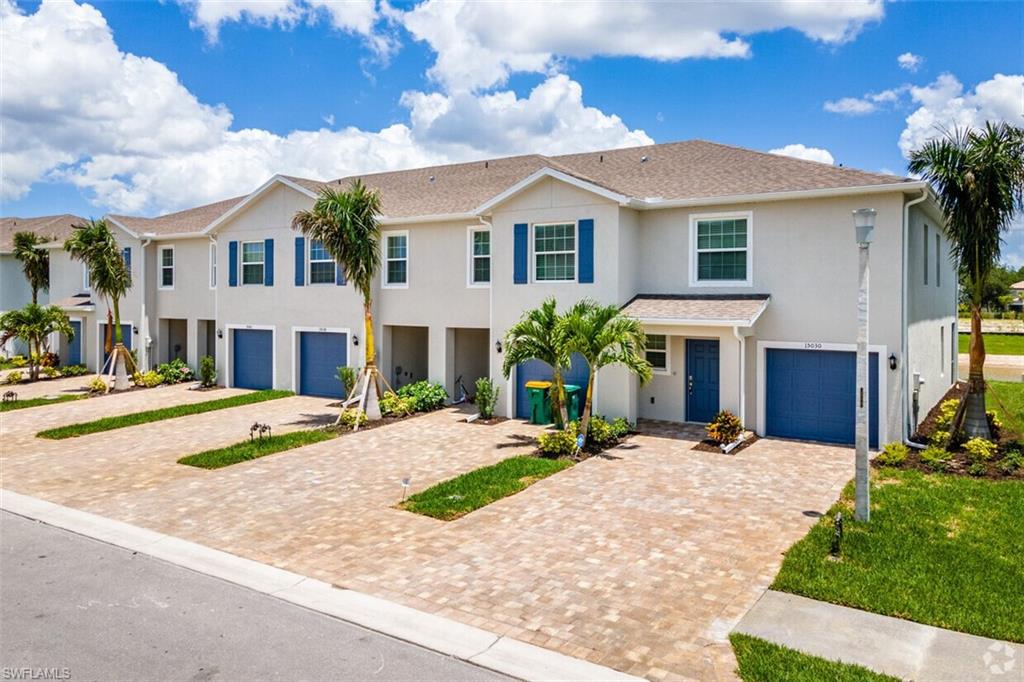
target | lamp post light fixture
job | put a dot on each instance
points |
(497, 345)
(864, 224)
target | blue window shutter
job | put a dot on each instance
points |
(268, 259)
(522, 253)
(339, 275)
(126, 254)
(300, 261)
(232, 264)
(586, 273)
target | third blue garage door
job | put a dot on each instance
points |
(320, 356)
(810, 395)
(535, 370)
(252, 358)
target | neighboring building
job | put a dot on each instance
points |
(1017, 292)
(741, 265)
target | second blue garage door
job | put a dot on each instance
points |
(320, 356)
(811, 395)
(535, 370)
(252, 358)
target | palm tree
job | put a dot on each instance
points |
(979, 178)
(94, 245)
(347, 223)
(33, 325)
(604, 336)
(538, 336)
(35, 262)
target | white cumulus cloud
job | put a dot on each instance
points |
(910, 61)
(799, 151)
(868, 104)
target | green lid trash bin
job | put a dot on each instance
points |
(540, 403)
(574, 401)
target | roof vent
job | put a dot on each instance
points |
(600, 159)
(486, 164)
(643, 159)
(431, 178)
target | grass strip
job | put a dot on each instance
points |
(136, 418)
(36, 402)
(1007, 401)
(254, 449)
(478, 488)
(939, 549)
(762, 661)
(997, 344)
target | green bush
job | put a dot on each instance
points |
(74, 370)
(1011, 462)
(936, 458)
(558, 443)
(621, 427)
(995, 424)
(18, 361)
(207, 372)
(980, 450)
(600, 432)
(50, 372)
(48, 359)
(352, 415)
(14, 377)
(174, 372)
(97, 385)
(947, 410)
(393, 405)
(486, 397)
(894, 454)
(147, 379)
(724, 428)
(977, 469)
(347, 376)
(425, 395)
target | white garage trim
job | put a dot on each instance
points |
(324, 330)
(883, 372)
(230, 342)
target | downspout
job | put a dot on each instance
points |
(144, 322)
(490, 321)
(216, 302)
(904, 332)
(743, 374)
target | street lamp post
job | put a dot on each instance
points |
(864, 223)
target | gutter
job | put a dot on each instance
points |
(657, 202)
(904, 343)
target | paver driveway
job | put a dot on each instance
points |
(642, 561)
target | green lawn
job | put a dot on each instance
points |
(942, 550)
(254, 449)
(1007, 401)
(762, 661)
(997, 344)
(36, 402)
(135, 418)
(457, 497)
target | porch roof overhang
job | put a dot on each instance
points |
(78, 303)
(698, 310)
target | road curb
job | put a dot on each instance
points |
(467, 643)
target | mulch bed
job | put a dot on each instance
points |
(711, 446)
(488, 422)
(926, 427)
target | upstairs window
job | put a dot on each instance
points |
(657, 352)
(479, 257)
(167, 267)
(86, 281)
(926, 255)
(938, 262)
(321, 265)
(252, 262)
(213, 266)
(396, 256)
(722, 253)
(554, 252)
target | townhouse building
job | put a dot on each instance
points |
(741, 265)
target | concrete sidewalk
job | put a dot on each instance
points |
(893, 646)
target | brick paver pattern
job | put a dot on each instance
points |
(643, 560)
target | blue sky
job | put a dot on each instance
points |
(229, 93)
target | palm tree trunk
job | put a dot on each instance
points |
(34, 360)
(585, 416)
(972, 419)
(557, 400)
(371, 351)
(120, 364)
(371, 375)
(35, 295)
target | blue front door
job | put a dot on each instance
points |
(578, 373)
(252, 358)
(701, 380)
(320, 356)
(75, 346)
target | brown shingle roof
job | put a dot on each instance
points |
(51, 227)
(182, 222)
(696, 307)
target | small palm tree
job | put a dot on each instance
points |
(347, 223)
(94, 245)
(979, 177)
(604, 336)
(538, 336)
(33, 325)
(35, 261)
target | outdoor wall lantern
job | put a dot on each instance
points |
(864, 222)
(892, 361)
(355, 340)
(220, 333)
(135, 330)
(497, 345)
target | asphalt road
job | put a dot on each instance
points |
(77, 609)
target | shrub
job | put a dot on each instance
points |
(74, 370)
(393, 405)
(995, 424)
(347, 376)
(977, 469)
(425, 395)
(621, 427)
(600, 432)
(18, 361)
(947, 410)
(174, 372)
(351, 416)
(207, 372)
(936, 458)
(724, 428)
(486, 397)
(147, 379)
(48, 360)
(14, 377)
(980, 450)
(97, 385)
(50, 372)
(558, 443)
(1013, 460)
(893, 454)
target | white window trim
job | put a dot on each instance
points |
(408, 251)
(229, 342)
(470, 232)
(86, 280)
(161, 267)
(213, 265)
(309, 268)
(296, 359)
(938, 259)
(926, 254)
(242, 263)
(576, 252)
(749, 281)
(667, 370)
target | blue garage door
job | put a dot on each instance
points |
(75, 347)
(535, 370)
(320, 356)
(811, 395)
(126, 339)
(252, 358)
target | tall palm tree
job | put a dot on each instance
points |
(604, 336)
(979, 178)
(538, 336)
(33, 325)
(94, 244)
(35, 261)
(347, 223)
